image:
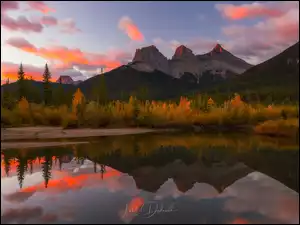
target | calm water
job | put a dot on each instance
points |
(154, 179)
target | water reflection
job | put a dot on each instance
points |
(153, 179)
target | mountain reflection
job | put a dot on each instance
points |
(162, 167)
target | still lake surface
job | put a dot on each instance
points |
(157, 178)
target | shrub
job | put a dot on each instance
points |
(280, 127)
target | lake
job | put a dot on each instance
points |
(154, 178)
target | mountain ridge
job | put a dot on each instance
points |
(218, 62)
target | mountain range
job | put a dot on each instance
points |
(183, 63)
(217, 62)
(217, 71)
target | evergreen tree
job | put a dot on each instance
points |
(102, 170)
(31, 166)
(7, 162)
(47, 87)
(7, 100)
(46, 168)
(21, 168)
(95, 167)
(21, 83)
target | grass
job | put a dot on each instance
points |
(280, 127)
(134, 113)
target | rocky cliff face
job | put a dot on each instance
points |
(217, 62)
(150, 58)
(184, 61)
(65, 80)
(220, 59)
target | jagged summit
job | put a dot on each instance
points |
(218, 49)
(216, 61)
(150, 58)
(182, 52)
(65, 79)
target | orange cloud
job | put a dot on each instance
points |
(10, 71)
(237, 12)
(40, 6)
(69, 57)
(133, 32)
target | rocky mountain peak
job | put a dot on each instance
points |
(218, 49)
(145, 53)
(151, 57)
(183, 52)
(65, 80)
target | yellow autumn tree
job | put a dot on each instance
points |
(78, 97)
(23, 104)
(210, 103)
(236, 101)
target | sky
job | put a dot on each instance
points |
(79, 38)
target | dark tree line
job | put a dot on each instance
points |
(35, 92)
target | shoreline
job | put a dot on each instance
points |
(48, 133)
(29, 137)
(12, 145)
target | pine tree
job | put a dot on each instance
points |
(21, 83)
(47, 88)
(46, 169)
(7, 162)
(21, 168)
(21, 73)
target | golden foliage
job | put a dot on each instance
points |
(23, 104)
(148, 113)
(210, 102)
(78, 97)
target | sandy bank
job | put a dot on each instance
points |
(34, 133)
(7, 145)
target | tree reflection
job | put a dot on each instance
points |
(46, 169)
(21, 168)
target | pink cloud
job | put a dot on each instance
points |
(133, 32)
(49, 21)
(251, 10)
(40, 6)
(267, 37)
(9, 5)
(21, 43)
(68, 26)
(20, 24)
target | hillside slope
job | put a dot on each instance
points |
(278, 76)
(125, 81)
